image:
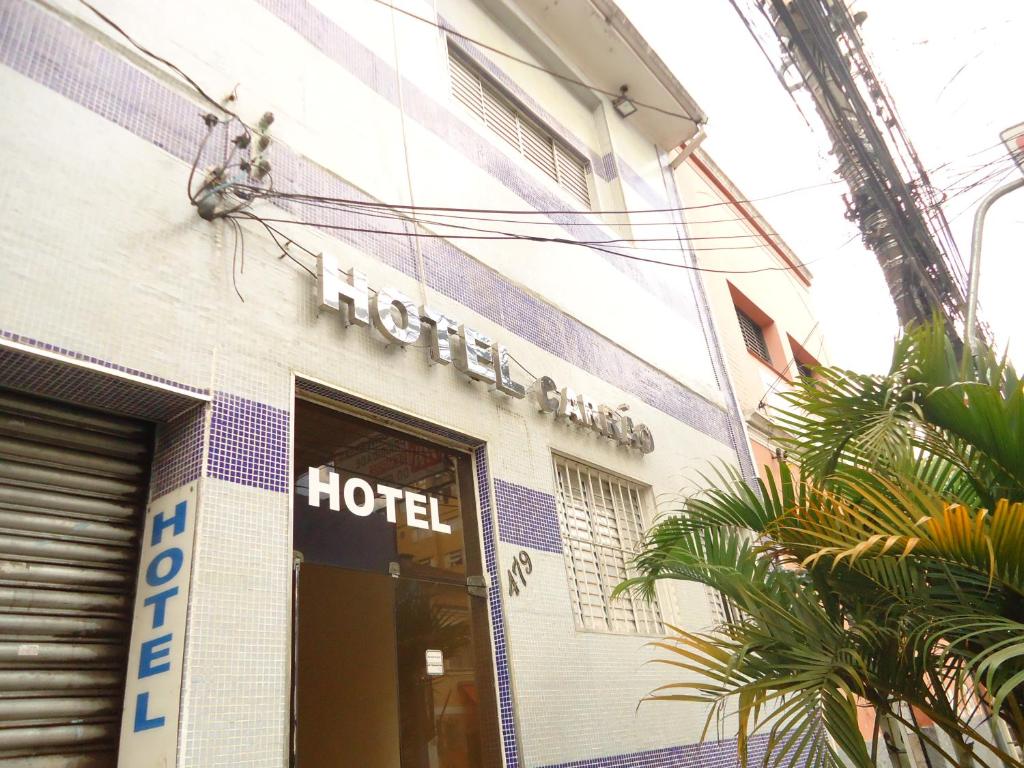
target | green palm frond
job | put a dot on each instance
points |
(888, 569)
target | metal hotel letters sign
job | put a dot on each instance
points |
(450, 342)
(149, 728)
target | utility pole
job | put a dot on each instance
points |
(890, 196)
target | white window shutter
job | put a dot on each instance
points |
(499, 112)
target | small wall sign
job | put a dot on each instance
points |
(435, 663)
(149, 728)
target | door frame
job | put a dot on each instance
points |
(317, 391)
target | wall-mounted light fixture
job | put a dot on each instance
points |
(623, 105)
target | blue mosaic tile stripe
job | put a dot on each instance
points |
(42, 47)
(72, 383)
(249, 443)
(708, 754)
(505, 705)
(526, 517)
(81, 357)
(178, 456)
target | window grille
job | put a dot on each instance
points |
(805, 371)
(602, 525)
(753, 336)
(509, 122)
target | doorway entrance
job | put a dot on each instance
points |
(392, 655)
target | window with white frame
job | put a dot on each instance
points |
(602, 523)
(499, 113)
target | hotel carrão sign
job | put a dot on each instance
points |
(471, 353)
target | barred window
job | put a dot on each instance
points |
(722, 609)
(499, 113)
(753, 335)
(602, 524)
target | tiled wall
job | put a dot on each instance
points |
(179, 451)
(32, 42)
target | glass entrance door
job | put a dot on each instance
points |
(392, 661)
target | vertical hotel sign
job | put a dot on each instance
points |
(149, 726)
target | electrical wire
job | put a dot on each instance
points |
(325, 203)
(274, 233)
(543, 212)
(239, 238)
(438, 210)
(998, 179)
(609, 245)
(431, 221)
(526, 62)
(606, 250)
(779, 72)
(221, 107)
(887, 184)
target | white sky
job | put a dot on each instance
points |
(953, 70)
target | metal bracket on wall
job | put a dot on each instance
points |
(477, 585)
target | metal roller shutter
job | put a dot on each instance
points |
(72, 487)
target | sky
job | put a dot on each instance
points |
(953, 71)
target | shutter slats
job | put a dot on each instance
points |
(33, 737)
(33, 500)
(21, 625)
(69, 528)
(466, 86)
(99, 759)
(514, 126)
(500, 118)
(77, 708)
(72, 484)
(753, 336)
(23, 473)
(539, 149)
(572, 175)
(32, 600)
(63, 654)
(21, 572)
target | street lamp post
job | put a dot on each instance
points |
(972, 286)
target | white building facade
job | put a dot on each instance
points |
(316, 543)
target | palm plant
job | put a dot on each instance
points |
(886, 572)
